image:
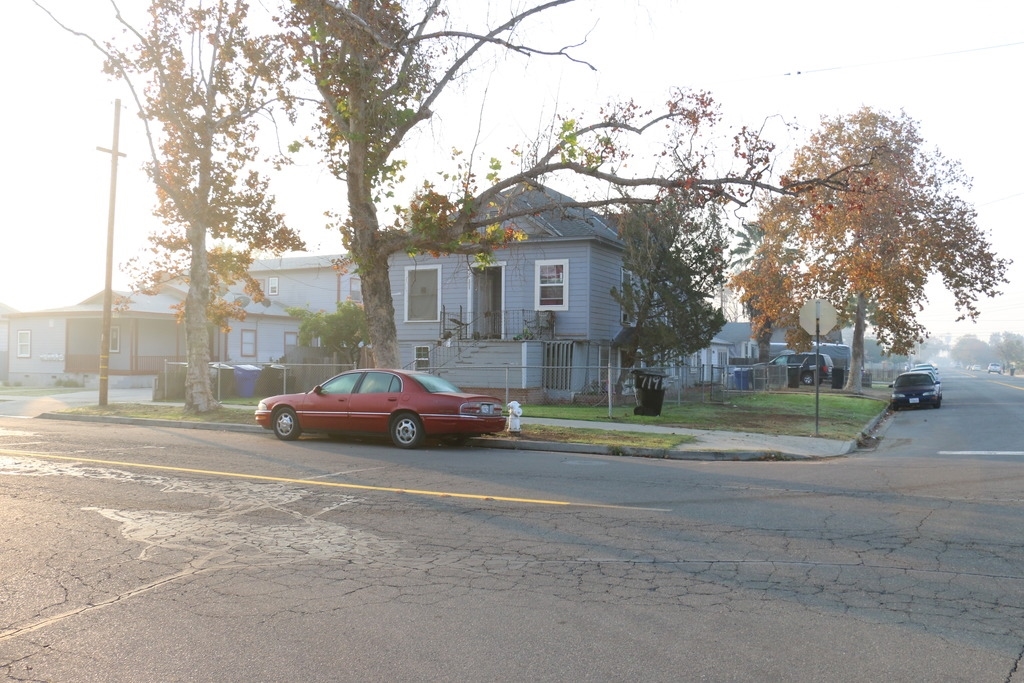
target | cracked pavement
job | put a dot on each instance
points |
(847, 570)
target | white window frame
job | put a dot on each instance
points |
(273, 286)
(115, 340)
(422, 356)
(24, 343)
(539, 267)
(291, 339)
(248, 340)
(411, 271)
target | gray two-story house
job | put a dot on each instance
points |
(541, 315)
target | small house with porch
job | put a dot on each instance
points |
(538, 320)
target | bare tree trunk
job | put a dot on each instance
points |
(853, 381)
(764, 344)
(198, 390)
(380, 311)
(372, 261)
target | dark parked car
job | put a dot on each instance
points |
(915, 389)
(407, 406)
(800, 367)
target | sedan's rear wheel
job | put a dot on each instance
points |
(286, 424)
(407, 430)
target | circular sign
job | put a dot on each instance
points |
(818, 315)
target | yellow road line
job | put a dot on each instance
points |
(307, 482)
(1012, 386)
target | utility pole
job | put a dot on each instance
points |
(108, 290)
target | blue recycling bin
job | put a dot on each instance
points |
(743, 377)
(245, 380)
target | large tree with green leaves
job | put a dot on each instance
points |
(201, 78)
(381, 67)
(674, 260)
(342, 332)
(872, 240)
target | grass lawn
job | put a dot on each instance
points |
(840, 417)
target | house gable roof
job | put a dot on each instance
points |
(163, 303)
(305, 262)
(138, 304)
(736, 332)
(554, 218)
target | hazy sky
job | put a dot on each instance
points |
(957, 69)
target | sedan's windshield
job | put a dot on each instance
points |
(914, 380)
(436, 385)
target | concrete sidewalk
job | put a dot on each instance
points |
(713, 444)
(707, 444)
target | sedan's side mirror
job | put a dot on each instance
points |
(318, 390)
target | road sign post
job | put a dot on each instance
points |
(815, 315)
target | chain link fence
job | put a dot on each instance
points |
(248, 381)
(538, 385)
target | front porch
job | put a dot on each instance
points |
(518, 324)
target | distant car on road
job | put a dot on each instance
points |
(996, 368)
(407, 406)
(915, 389)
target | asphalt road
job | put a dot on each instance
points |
(140, 553)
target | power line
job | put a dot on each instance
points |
(904, 59)
(1002, 199)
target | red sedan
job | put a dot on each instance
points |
(407, 406)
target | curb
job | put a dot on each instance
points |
(149, 422)
(500, 443)
(654, 453)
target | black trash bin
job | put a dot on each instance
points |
(273, 380)
(650, 392)
(222, 376)
(838, 378)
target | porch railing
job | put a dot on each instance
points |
(508, 325)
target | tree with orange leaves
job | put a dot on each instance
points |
(202, 81)
(871, 246)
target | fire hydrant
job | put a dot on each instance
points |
(515, 411)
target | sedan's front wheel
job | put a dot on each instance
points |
(407, 430)
(286, 424)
